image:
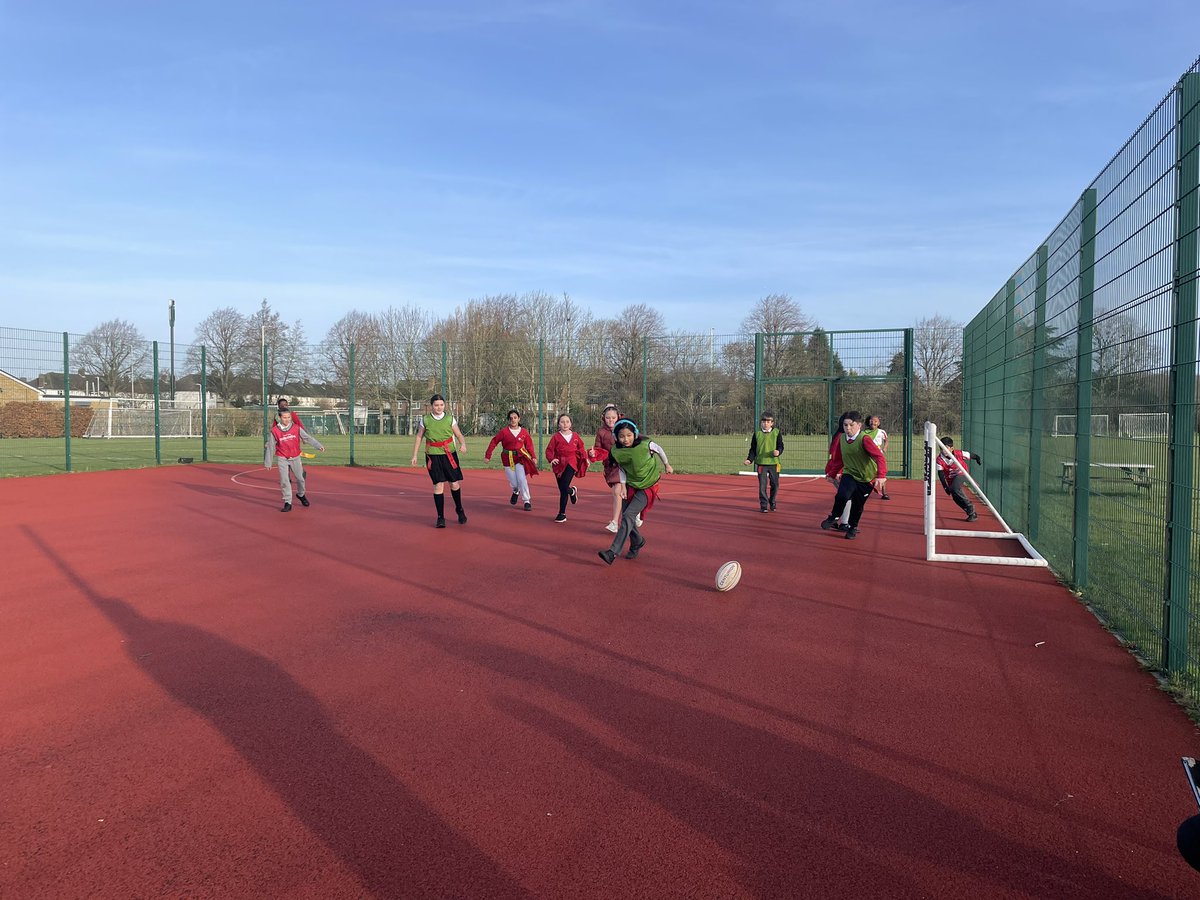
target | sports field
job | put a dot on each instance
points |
(204, 697)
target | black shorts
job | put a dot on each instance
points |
(443, 467)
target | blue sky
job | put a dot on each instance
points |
(880, 162)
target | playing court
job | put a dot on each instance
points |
(203, 697)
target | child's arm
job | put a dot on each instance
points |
(417, 443)
(662, 454)
(833, 468)
(462, 441)
(779, 445)
(552, 449)
(492, 446)
(753, 451)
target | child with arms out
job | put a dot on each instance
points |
(286, 439)
(568, 458)
(516, 455)
(638, 457)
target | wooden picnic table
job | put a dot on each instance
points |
(1138, 473)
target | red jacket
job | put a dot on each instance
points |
(515, 448)
(571, 453)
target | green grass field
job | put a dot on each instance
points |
(689, 454)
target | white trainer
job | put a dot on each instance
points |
(612, 526)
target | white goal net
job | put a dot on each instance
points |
(1144, 425)
(934, 447)
(1064, 426)
(125, 418)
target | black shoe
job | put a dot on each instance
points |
(764, 509)
(441, 522)
(840, 526)
(851, 533)
(608, 556)
(772, 507)
(561, 517)
(884, 497)
(635, 549)
(287, 507)
(528, 507)
(513, 498)
(304, 501)
(971, 517)
(462, 517)
(830, 522)
(573, 495)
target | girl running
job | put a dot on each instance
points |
(516, 455)
(568, 458)
(636, 456)
(613, 476)
(440, 432)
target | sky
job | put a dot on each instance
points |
(878, 162)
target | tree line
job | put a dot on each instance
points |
(539, 350)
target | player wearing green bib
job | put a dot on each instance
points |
(440, 433)
(857, 466)
(766, 446)
(638, 457)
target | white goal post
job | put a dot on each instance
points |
(125, 418)
(933, 447)
(1064, 426)
(1144, 425)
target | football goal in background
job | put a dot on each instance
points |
(934, 447)
(125, 418)
(1144, 425)
(1064, 426)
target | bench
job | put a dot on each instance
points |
(1138, 473)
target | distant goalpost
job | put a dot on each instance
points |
(934, 446)
(1144, 425)
(122, 417)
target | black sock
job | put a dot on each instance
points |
(457, 497)
(439, 500)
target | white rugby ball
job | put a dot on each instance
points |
(729, 575)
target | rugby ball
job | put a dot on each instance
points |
(729, 575)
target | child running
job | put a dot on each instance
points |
(516, 455)
(440, 432)
(635, 454)
(952, 473)
(613, 476)
(766, 445)
(857, 466)
(568, 458)
(286, 439)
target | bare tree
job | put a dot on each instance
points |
(777, 316)
(937, 351)
(112, 350)
(223, 335)
(361, 331)
(406, 357)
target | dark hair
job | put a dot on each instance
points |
(948, 441)
(767, 415)
(627, 425)
(560, 418)
(853, 415)
(281, 402)
(517, 411)
(435, 398)
(611, 406)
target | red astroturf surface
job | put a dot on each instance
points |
(203, 697)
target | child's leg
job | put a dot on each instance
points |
(456, 496)
(564, 489)
(628, 525)
(959, 495)
(764, 479)
(298, 471)
(285, 483)
(618, 494)
(522, 482)
(862, 491)
(510, 475)
(845, 517)
(842, 498)
(774, 485)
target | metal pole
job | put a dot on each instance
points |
(353, 401)
(157, 416)
(171, 319)
(204, 405)
(67, 397)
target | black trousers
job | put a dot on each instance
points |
(768, 486)
(856, 492)
(564, 489)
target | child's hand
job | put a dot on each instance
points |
(745, 462)
(462, 447)
(554, 462)
(774, 452)
(414, 460)
(669, 470)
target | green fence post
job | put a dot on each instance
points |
(266, 419)
(157, 410)
(1176, 612)
(204, 406)
(1010, 331)
(1083, 386)
(645, 380)
(445, 390)
(67, 398)
(1038, 401)
(906, 471)
(541, 428)
(759, 388)
(352, 402)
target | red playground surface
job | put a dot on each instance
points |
(201, 696)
